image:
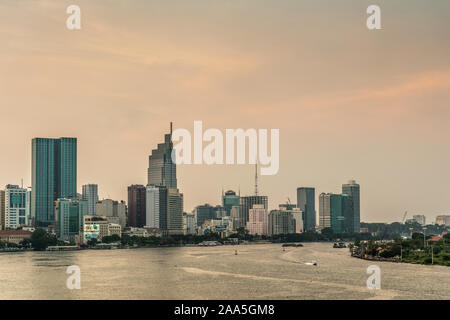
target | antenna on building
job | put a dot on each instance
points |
(256, 179)
(22, 183)
(171, 128)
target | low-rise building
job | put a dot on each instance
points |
(95, 227)
(14, 236)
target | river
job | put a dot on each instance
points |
(256, 272)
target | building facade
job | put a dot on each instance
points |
(90, 194)
(15, 210)
(95, 227)
(333, 209)
(229, 199)
(2, 210)
(306, 202)
(420, 219)
(113, 209)
(156, 207)
(53, 176)
(280, 222)
(203, 213)
(162, 170)
(69, 217)
(443, 220)
(246, 203)
(174, 211)
(136, 206)
(352, 189)
(189, 224)
(258, 220)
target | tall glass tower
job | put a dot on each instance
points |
(53, 176)
(162, 170)
(306, 202)
(352, 189)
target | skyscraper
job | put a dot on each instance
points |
(331, 213)
(156, 207)
(174, 211)
(247, 203)
(280, 222)
(15, 206)
(257, 223)
(2, 210)
(162, 170)
(353, 190)
(136, 205)
(306, 202)
(229, 199)
(203, 213)
(90, 194)
(54, 176)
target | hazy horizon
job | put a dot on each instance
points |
(372, 106)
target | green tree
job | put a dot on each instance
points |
(40, 239)
(92, 242)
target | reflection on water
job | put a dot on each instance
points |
(257, 272)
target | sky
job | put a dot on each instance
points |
(350, 103)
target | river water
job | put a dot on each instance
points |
(256, 272)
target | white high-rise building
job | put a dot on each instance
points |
(90, 194)
(189, 223)
(15, 206)
(154, 203)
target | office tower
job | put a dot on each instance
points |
(114, 211)
(331, 214)
(90, 194)
(189, 223)
(15, 207)
(162, 170)
(229, 199)
(306, 202)
(280, 222)
(296, 213)
(156, 207)
(237, 217)
(420, 219)
(174, 211)
(443, 220)
(136, 206)
(353, 190)
(28, 206)
(258, 220)
(2, 210)
(54, 176)
(246, 203)
(220, 212)
(69, 216)
(203, 213)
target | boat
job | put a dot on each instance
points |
(339, 245)
(296, 245)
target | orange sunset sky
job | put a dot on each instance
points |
(350, 103)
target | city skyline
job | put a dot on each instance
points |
(371, 109)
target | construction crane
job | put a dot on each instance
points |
(404, 216)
